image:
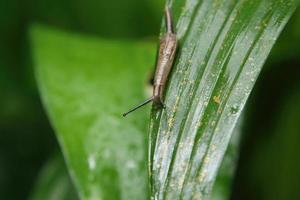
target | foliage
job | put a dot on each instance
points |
(103, 151)
(86, 82)
(224, 45)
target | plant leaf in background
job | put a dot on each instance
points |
(86, 84)
(54, 182)
(223, 45)
(287, 46)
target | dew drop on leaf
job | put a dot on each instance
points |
(234, 109)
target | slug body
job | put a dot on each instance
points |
(165, 59)
(166, 55)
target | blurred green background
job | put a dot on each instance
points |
(269, 164)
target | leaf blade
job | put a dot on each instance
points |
(82, 82)
(223, 47)
(54, 182)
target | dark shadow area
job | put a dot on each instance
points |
(258, 171)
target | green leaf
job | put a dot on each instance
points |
(288, 44)
(86, 84)
(223, 46)
(224, 180)
(54, 182)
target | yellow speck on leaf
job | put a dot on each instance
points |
(217, 99)
(197, 196)
(170, 122)
(213, 147)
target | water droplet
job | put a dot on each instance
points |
(234, 109)
(92, 162)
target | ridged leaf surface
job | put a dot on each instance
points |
(223, 45)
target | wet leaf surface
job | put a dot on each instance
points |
(86, 84)
(223, 46)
